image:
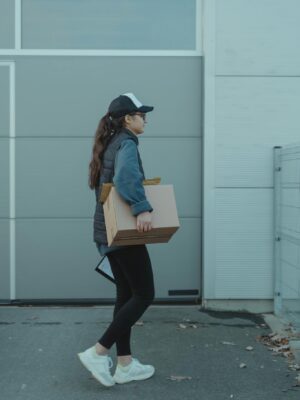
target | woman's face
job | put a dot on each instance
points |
(135, 122)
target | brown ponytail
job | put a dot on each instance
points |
(107, 127)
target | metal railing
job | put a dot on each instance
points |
(287, 233)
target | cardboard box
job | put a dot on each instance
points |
(121, 224)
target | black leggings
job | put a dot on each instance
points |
(132, 270)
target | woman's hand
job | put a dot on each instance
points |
(144, 222)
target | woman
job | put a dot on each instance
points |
(116, 155)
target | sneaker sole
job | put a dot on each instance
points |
(97, 377)
(138, 378)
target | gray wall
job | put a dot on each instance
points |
(59, 101)
(7, 37)
(257, 89)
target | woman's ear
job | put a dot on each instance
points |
(127, 119)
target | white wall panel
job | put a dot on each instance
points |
(253, 114)
(244, 244)
(257, 37)
(257, 110)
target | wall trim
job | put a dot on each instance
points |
(18, 51)
(12, 185)
(18, 24)
(97, 53)
(208, 200)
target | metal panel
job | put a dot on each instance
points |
(4, 100)
(57, 252)
(4, 178)
(67, 96)
(287, 232)
(257, 37)
(244, 245)
(176, 264)
(118, 24)
(7, 10)
(60, 255)
(4, 260)
(177, 161)
(51, 175)
(52, 178)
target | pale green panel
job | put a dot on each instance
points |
(7, 24)
(244, 244)
(4, 178)
(106, 24)
(177, 264)
(257, 37)
(4, 100)
(61, 256)
(177, 161)
(4, 259)
(52, 178)
(67, 96)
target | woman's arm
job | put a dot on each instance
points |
(128, 178)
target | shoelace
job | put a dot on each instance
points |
(110, 362)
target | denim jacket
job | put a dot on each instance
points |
(128, 180)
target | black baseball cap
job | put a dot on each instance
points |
(127, 103)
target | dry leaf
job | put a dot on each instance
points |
(294, 367)
(280, 348)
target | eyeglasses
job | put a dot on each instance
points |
(142, 115)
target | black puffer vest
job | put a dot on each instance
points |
(106, 175)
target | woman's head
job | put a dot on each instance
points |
(125, 111)
(135, 122)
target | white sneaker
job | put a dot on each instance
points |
(98, 365)
(135, 371)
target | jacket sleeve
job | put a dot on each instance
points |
(128, 178)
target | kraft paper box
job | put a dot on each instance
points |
(121, 224)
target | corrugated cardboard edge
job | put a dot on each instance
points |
(107, 186)
(112, 215)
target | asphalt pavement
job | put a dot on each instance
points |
(198, 354)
